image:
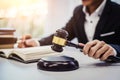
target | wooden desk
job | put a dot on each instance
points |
(90, 69)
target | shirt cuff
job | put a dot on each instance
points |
(114, 52)
(37, 43)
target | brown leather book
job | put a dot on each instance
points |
(6, 46)
(8, 40)
(7, 30)
(7, 36)
(6, 33)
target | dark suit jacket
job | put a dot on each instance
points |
(108, 27)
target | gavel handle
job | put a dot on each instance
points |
(113, 59)
(110, 59)
(68, 43)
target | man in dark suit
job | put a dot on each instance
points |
(96, 25)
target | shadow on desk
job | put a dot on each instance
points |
(103, 64)
(13, 63)
(99, 64)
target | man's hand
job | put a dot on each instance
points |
(97, 49)
(27, 41)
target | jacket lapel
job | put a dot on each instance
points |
(83, 37)
(102, 21)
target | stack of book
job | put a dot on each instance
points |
(7, 38)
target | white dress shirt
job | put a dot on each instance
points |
(92, 20)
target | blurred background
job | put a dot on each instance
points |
(36, 17)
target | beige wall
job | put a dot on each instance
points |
(59, 12)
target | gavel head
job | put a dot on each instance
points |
(59, 40)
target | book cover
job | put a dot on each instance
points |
(8, 40)
(7, 30)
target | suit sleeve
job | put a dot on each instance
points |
(117, 40)
(69, 28)
(117, 48)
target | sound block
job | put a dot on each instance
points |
(57, 63)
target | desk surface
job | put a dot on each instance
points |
(90, 69)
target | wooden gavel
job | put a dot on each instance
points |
(60, 40)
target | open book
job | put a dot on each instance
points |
(27, 55)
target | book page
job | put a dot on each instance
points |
(6, 52)
(27, 53)
(31, 50)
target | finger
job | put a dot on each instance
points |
(28, 36)
(88, 46)
(101, 51)
(30, 43)
(24, 37)
(81, 44)
(27, 44)
(107, 54)
(94, 49)
(21, 44)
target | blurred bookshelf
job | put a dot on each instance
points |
(26, 16)
(36, 17)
